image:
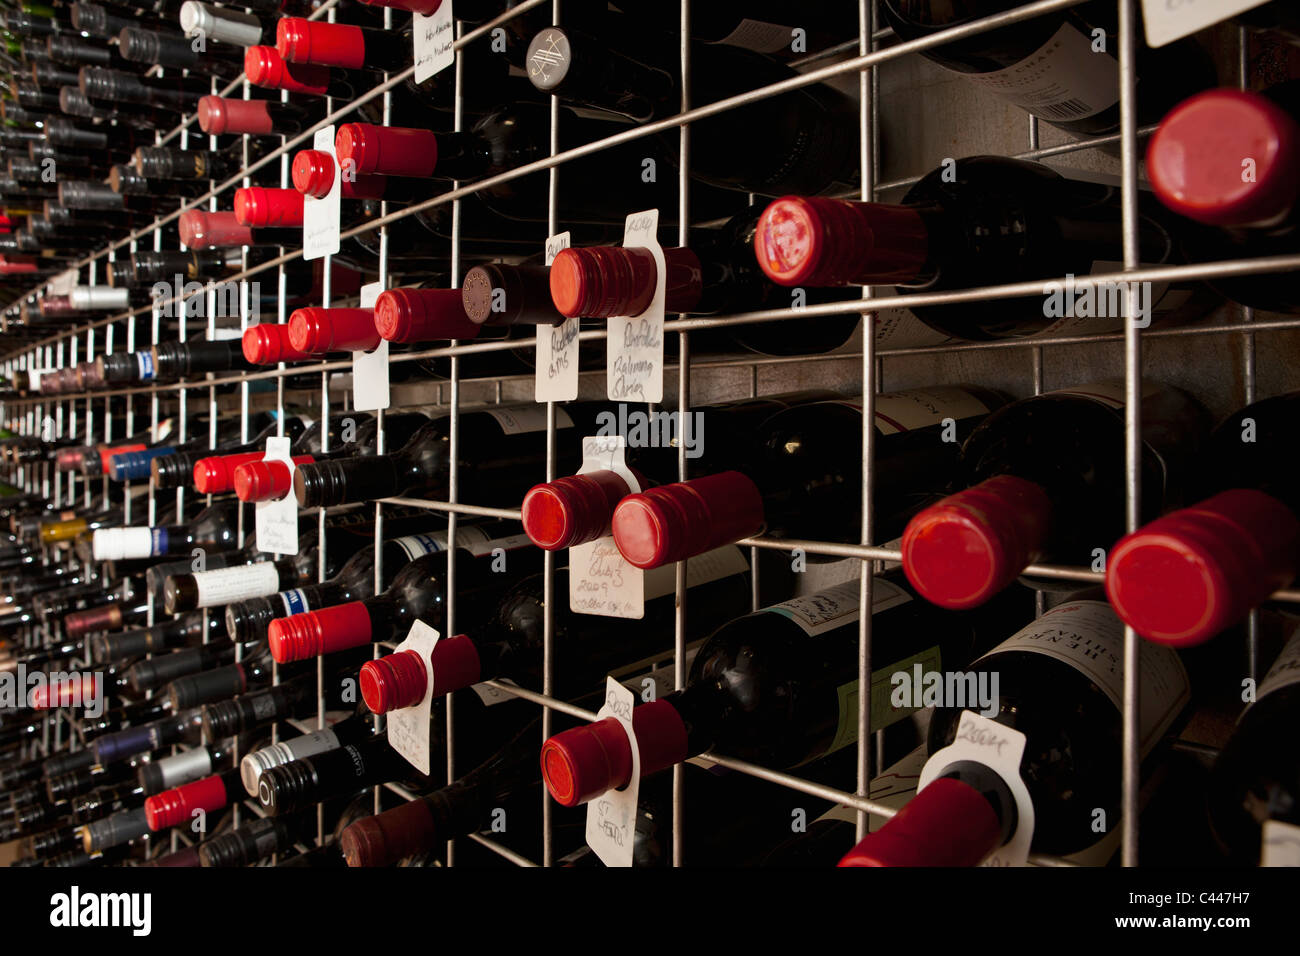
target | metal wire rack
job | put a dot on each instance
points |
(74, 415)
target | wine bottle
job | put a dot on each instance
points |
(248, 619)
(212, 529)
(798, 141)
(174, 52)
(775, 687)
(221, 230)
(176, 471)
(225, 24)
(416, 594)
(1189, 575)
(218, 116)
(179, 804)
(215, 474)
(1060, 683)
(510, 646)
(350, 730)
(796, 480)
(496, 444)
(1062, 67)
(1045, 226)
(1254, 780)
(1044, 480)
(1241, 216)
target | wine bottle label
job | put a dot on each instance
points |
(838, 605)
(519, 419)
(145, 366)
(184, 767)
(258, 762)
(921, 407)
(1167, 22)
(711, 566)
(1279, 844)
(276, 522)
(1096, 308)
(236, 584)
(1285, 670)
(634, 344)
(900, 329)
(1089, 636)
(883, 711)
(295, 602)
(1062, 80)
(759, 36)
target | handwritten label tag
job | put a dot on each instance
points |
(635, 350)
(370, 389)
(1170, 20)
(611, 817)
(601, 581)
(408, 728)
(277, 521)
(999, 748)
(321, 217)
(557, 347)
(435, 36)
(64, 282)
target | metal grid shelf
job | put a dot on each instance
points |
(865, 65)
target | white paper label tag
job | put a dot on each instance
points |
(64, 282)
(520, 419)
(601, 580)
(635, 351)
(277, 521)
(999, 748)
(1280, 844)
(434, 38)
(1170, 20)
(557, 347)
(321, 217)
(611, 817)
(408, 727)
(759, 36)
(370, 390)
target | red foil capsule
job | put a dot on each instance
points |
(299, 40)
(948, 823)
(259, 207)
(212, 230)
(572, 510)
(390, 150)
(268, 344)
(301, 637)
(423, 315)
(672, 522)
(219, 115)
(216, 475)
(262, 480)
(264, 67)
(317, 331)
(394, 681)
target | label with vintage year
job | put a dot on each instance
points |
(557, 347)
(836, 606)
(236, 584)
(635, 346)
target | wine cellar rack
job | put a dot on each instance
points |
(1228, 360)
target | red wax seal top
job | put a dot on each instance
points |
(1226, 158)
(394, 681)
(390, 150)
(572, 510)
(1185, 577)
(947, 823)
(802, 240)
(423, 315)
(603, 281)
(960, 552)
(426, 7)
(313, 633)
(581, 764)
(326, 44)
(219, 115)
(212, 230)
(264, 67)
(259, 207)
(673, 522)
